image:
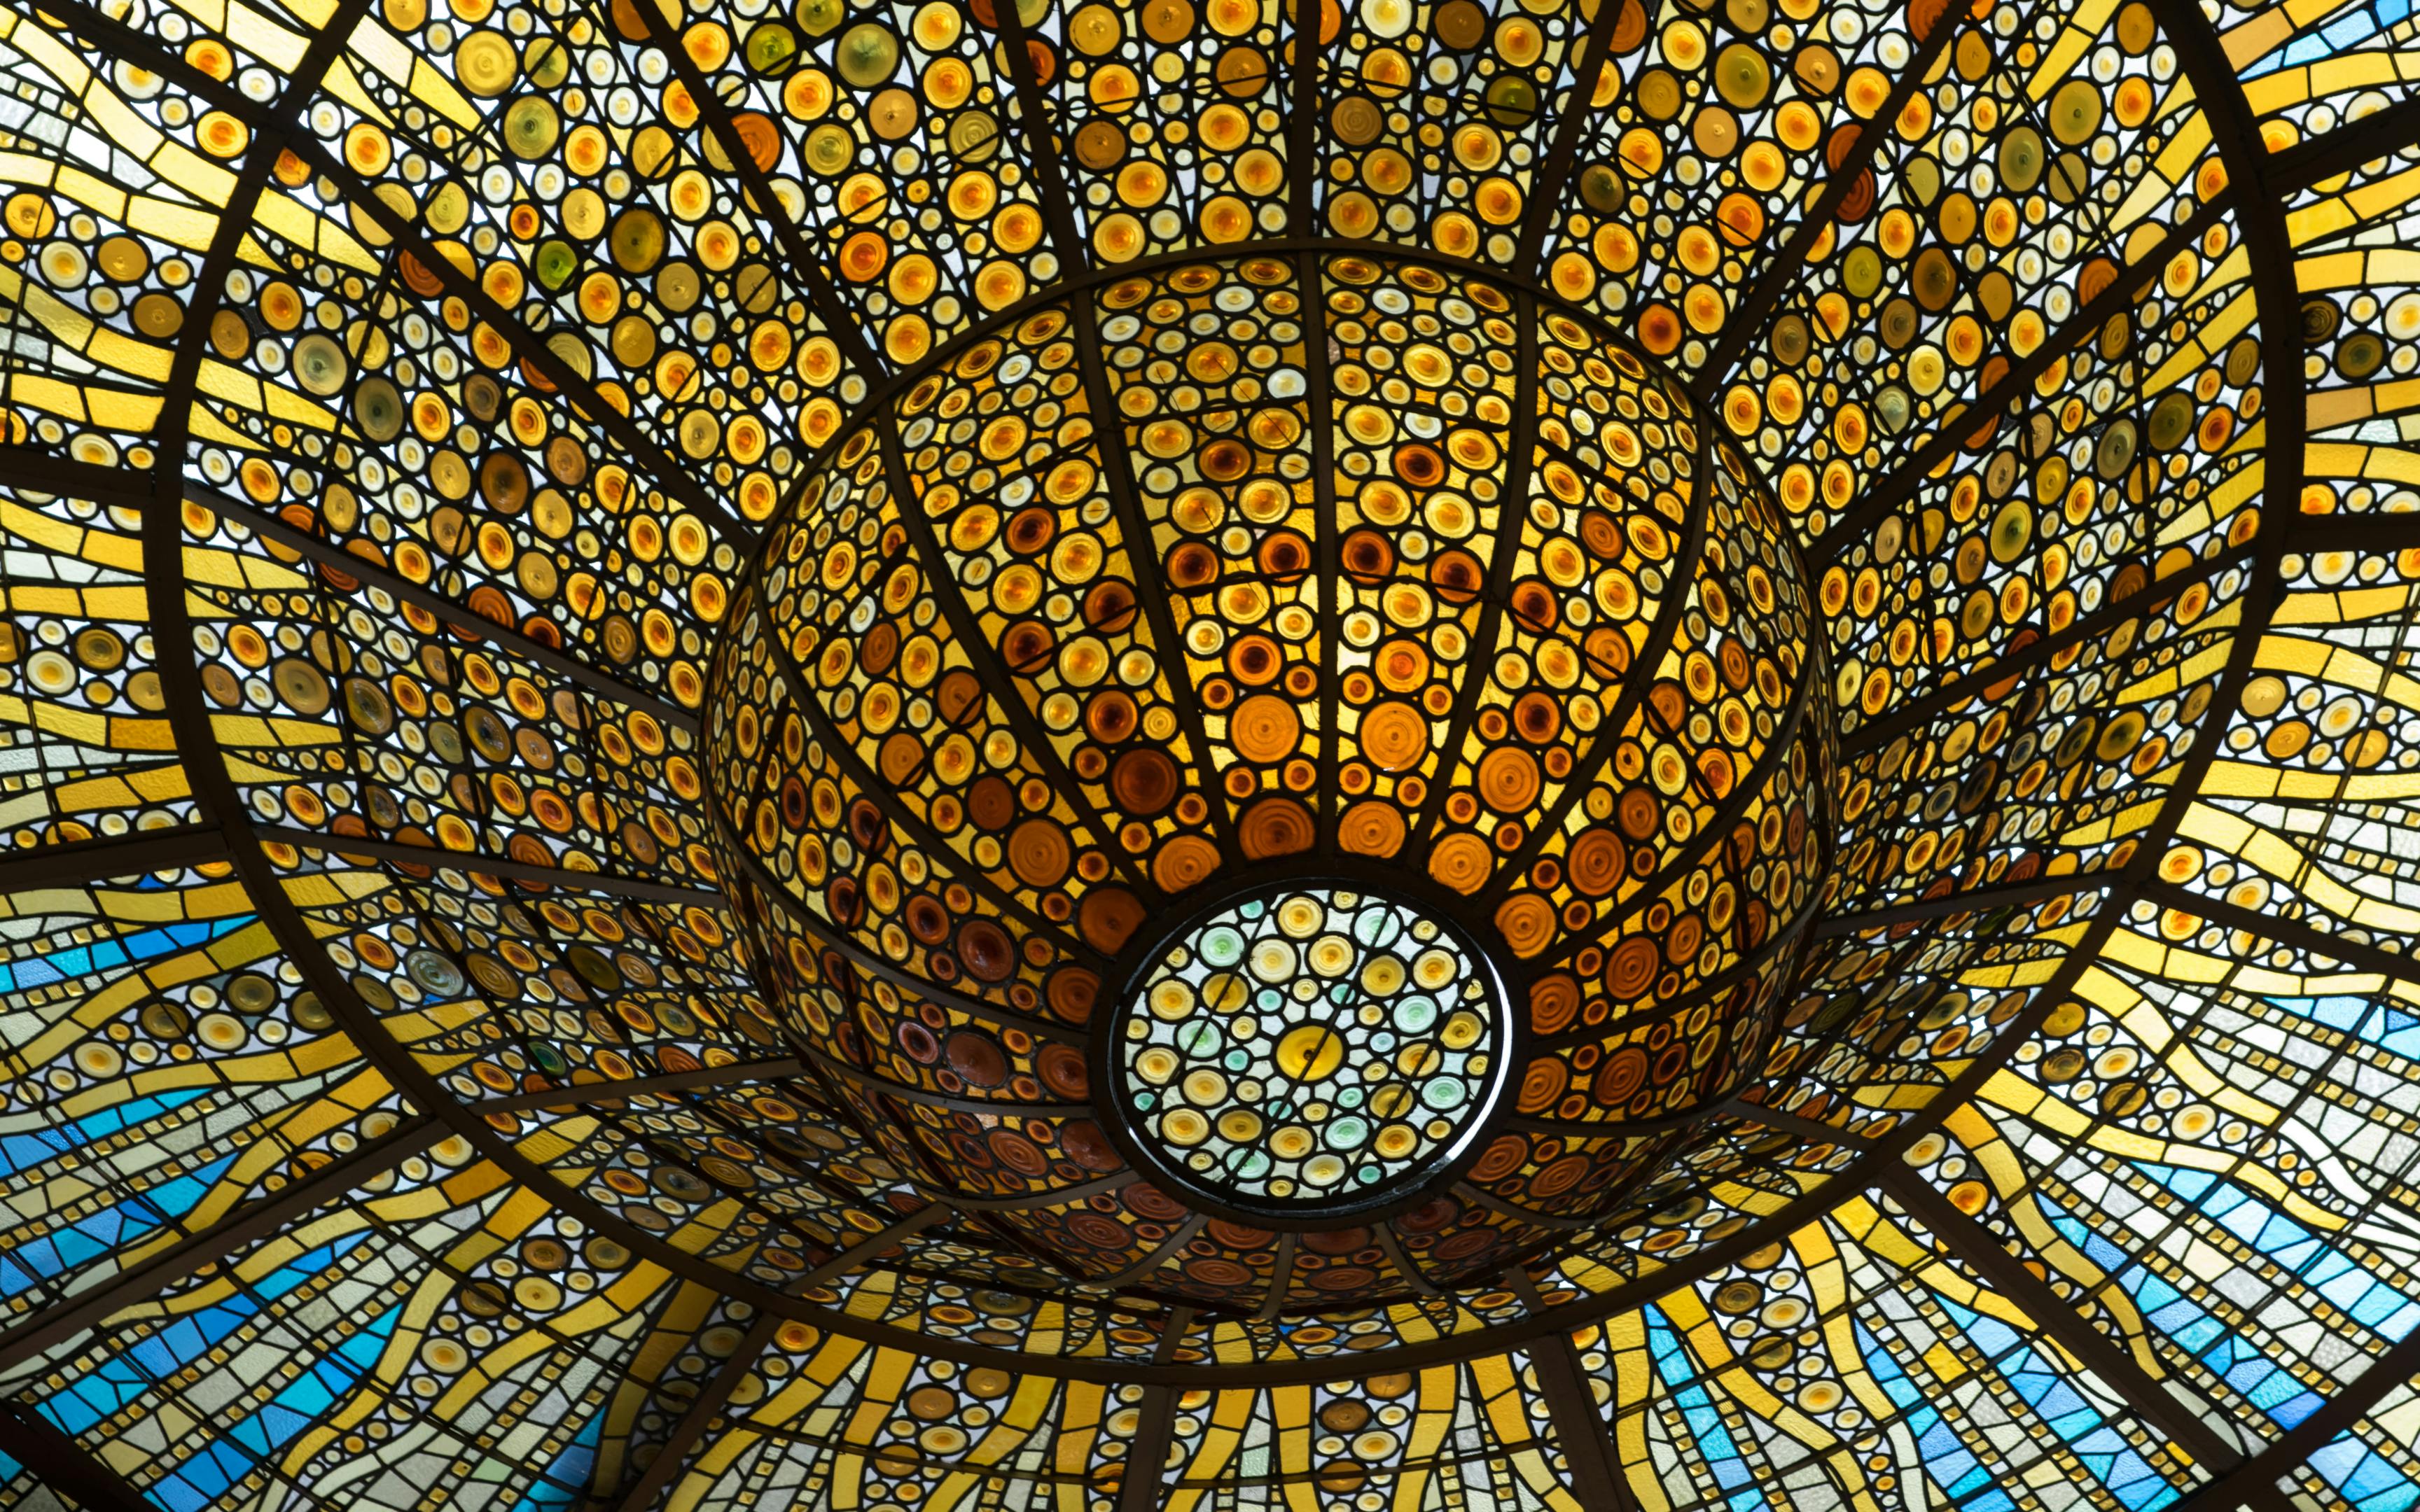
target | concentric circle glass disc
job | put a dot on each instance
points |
(1311, 1044)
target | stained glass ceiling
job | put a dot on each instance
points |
(1630, 758)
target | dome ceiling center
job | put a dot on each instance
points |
(1305, 744)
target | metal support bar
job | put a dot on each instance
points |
(25, 469)
(888, 797)
(1799, 1124)
(875, 1243)
(1589, 1453)
(1053, 1198)
(838, 941)
(1784, 937)
(1042, 151)
(1146, 1471)
(1964, 901)
(1480, 1196)
(1733, 1107)
(1146, 1465)
(844, 326)
(2285, 931)
(988, 660)
(2256, 1479)
(702, 1412)
(456, 617)
(118, 855)
(1414, 1277)
(1966, 1240)
(1327, 531)
(1512, 512)
(1142, 554)
(1670, 608)
(883, 1086)
(2009, 665)
(2356, 532)
(248, 1225)
(1555, 165)
(2319, 159)
(40, 472)
(63, 1466)
(1589, 1457)
(1303, 135)
(1169, 1248)
(1949, 433)
(584, 1094)
(1788, 266)
(1714, 832)
(1281, 1281)
(493, 865)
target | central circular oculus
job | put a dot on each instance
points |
(1309, 1046)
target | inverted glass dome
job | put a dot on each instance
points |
(1355, 754)
(961, 717)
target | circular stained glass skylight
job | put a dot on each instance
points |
(1310, 1045)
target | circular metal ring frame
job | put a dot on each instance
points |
(1397, 1194)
